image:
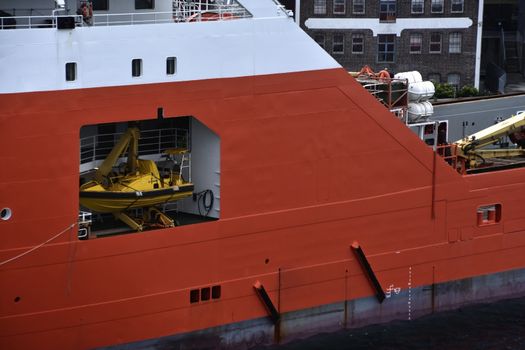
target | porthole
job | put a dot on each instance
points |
(6, 214)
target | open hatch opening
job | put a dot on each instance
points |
(144, 175)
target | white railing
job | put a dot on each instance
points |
(84, 218)
(97, 147)
(183, 11)
(195, 11)
(84, 224)
(30, 22)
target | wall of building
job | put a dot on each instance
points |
(427, 63)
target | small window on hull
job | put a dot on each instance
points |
(71, 71)
(144, 4)
(136, 67)
(489, 214)
(171, 65)
(100, 5)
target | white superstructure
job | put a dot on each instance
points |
(100, 52)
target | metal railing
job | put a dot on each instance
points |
(97, 147)
(183, 11)
(84, 224)
(31, 22)
(195, 11)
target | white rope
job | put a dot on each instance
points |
(37, 246)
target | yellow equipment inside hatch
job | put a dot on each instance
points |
(137, 184)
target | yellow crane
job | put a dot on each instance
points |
(470, 150)
(137, 184)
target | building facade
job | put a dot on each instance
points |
(439, 38)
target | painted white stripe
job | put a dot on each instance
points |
(388, 28)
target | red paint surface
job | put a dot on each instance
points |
(310, 163)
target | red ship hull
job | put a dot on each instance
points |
(310, 163)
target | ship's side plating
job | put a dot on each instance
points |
(310, 164)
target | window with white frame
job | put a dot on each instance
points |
(436, 6)
(416, 42)
(387, 10)
(358, 43)
(386, 48)
(338, 43)
(457, 6)
(435, 43)
(418, 6)
(319, 7)
(454, 80)
(320, 39)
(358, 6)
(454, 43)
(339, 6)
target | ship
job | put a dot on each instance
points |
(311, 209)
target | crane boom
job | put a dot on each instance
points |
(129, 139)
(492, 134)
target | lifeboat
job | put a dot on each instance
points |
(146, 188)
(136, 183)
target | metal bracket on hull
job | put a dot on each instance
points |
(365, 265)
(268, 304)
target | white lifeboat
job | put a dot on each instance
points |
(412, 77)
(419, 110)
(421, 91)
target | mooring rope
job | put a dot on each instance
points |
(37, 246)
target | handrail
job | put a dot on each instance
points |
(194, 11)
(30, 22)
(155, 141)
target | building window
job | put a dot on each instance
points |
(319, 7)
(71, 71)
(457, 6)
(418, 6)
(386, 48)
(416, 41)
(358, 43)
(144, 4)
(338, 44)
(136, 67)
(358, 6)
(435, 43)
(320, 39)
(434, 77)
(454, 43)
(436, 6)
(100, 5)
(387, 10)
(454, 80)
(339, 6)
(171, 65)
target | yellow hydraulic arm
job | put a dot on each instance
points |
(129, 139)
(470, 144)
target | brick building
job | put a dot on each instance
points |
(439, 38)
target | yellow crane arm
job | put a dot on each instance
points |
(129, 139)
(491, 134)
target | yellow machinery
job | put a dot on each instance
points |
(469, 147)
(137, 184)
